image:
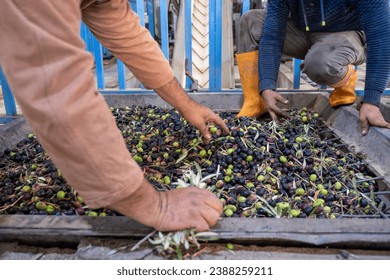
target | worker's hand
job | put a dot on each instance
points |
(177, 209)
(200, 117)
(271, 98)
(371, 115)
(196, 114)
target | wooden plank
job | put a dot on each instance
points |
(357, 233)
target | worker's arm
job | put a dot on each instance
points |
(271, 43)
(121, 33)
(271, 47)
(375, 19)
(196, 114)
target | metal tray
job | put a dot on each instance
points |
(362, 233)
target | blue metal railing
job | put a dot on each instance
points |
(215, 41)
(188, 39)
(146, 9)
(9, 101)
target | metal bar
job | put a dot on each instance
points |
(297, 73)
(378, 193)
(215, 56)
(333, 139)
(86, 36)
(188, 37)
(371, 179)
(341, 145)
(98, 56)
(150, 11)
(361, 216)
(164, 28)
(121, 74)
(245, 6)
(141, 11)
(9, 101)
(222, 91)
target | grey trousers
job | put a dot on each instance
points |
(325, 55)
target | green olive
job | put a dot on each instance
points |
(231, 207)
(50, 209)
(228, 212)
(229, 246)
(295, 212)
(300, 191)
(337, 186)
(283, 159)
(92, 214)
(213, 129)
(260, 178)
(40, 205)
(60, 195)
(26, 188)
(202, 153)
(167, 180)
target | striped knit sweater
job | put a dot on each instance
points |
(371, 16)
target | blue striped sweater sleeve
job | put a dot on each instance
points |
(271, 43)
(375, 19)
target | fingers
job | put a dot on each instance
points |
(206, 135)
(364, 123)
(280, 112)
(211, 214)
(271, 101)
(217, 120)
(380, 123)
(280, 98)
(370, 115)
(273, 115)
(211, 217)
(275, 111)
(202, 225)
(214, 203)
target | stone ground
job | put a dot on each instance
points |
(114, 249)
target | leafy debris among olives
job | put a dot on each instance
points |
(296, 168)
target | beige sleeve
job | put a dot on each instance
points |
(49, 72)
(117, 27)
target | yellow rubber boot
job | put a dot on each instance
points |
(344, 95)
(248, 68)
